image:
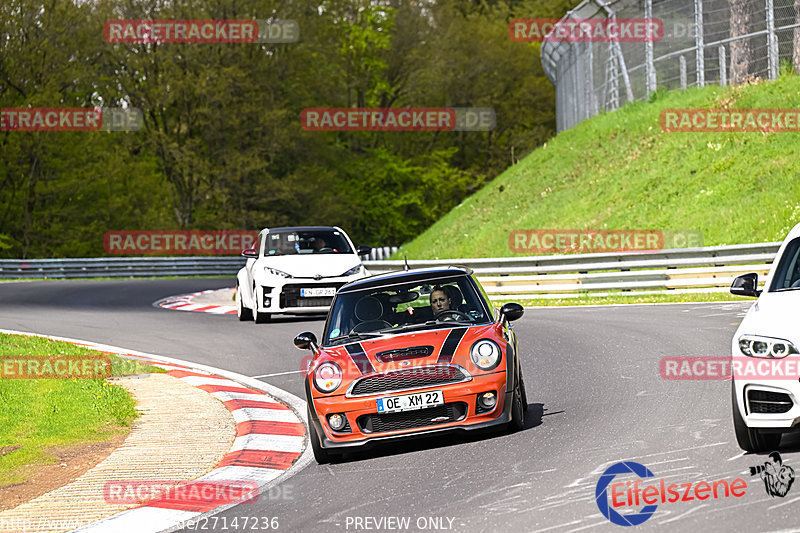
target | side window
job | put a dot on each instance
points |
(787, 274)
(485, 298)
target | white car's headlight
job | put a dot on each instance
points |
(327, 377)
(353, 271)
(758, 346)
(276, 272)
(485, 354)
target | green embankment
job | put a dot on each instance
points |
(619, 170)
(36, 414)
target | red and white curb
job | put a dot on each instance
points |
(270, 444)
(185, 302)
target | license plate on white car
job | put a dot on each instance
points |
(410, 402)
(318, 291)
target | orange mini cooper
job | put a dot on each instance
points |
(411, 353)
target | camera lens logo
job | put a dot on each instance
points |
(601, 495)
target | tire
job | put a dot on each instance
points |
(320, 454)
(750, 439)
(242, 312)
(524, 392)
(261, 318)
(517, 411)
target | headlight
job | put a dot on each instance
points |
(327, 377)
(353, 271)
(276, 272)
(757, 346)
(485, 354)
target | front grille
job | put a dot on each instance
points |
(767, 402)
(290, 295)
(404, 353)
(412, 378)
(443, 414)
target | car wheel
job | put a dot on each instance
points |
(750, 439)
(517, 411)
(320, 454)
(524, 392)
(242, 312)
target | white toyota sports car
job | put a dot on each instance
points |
(765, 357)
(296, 270)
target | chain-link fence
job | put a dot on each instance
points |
(704, 42)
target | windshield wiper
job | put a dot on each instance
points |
(355, 336)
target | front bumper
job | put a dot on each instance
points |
(282, 295)
(756, 398)
(353, 408)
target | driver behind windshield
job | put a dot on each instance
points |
(440, 301)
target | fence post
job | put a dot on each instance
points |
(723, 69)
(650, 67)
(772, 42)
(699, 43)
(682, 61)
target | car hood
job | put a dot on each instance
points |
(310, 265)
(774, 315)
(384, 354)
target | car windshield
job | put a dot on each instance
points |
(291, 242)
(787, 274)
(367, 313)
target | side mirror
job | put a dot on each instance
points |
(511, 311)
(364, 250)
(306, 341)
(250, 253)
(746, 285)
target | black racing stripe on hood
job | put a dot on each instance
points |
(359, 357)
(450, 344)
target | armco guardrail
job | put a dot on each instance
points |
(681, 270)
(709, 268)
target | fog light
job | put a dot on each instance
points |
(336, 422)
(267, 301)
(488, 400)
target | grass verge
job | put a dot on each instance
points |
(37, 414)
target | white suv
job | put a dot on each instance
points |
(296, 270)
(766, 361)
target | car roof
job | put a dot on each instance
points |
(405, 276)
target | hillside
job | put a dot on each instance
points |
(619, 170)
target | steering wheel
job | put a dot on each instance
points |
(453, 312)
(370, 325)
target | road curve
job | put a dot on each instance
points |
(595, 393)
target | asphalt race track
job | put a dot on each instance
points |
(596, 398)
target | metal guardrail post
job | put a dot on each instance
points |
(682, 63)
(650, 68)
(723, 67)
(772, 42)
(699, 44)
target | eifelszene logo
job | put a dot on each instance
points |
(612, 497)
(778, 477)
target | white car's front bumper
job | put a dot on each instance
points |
(277, 296)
